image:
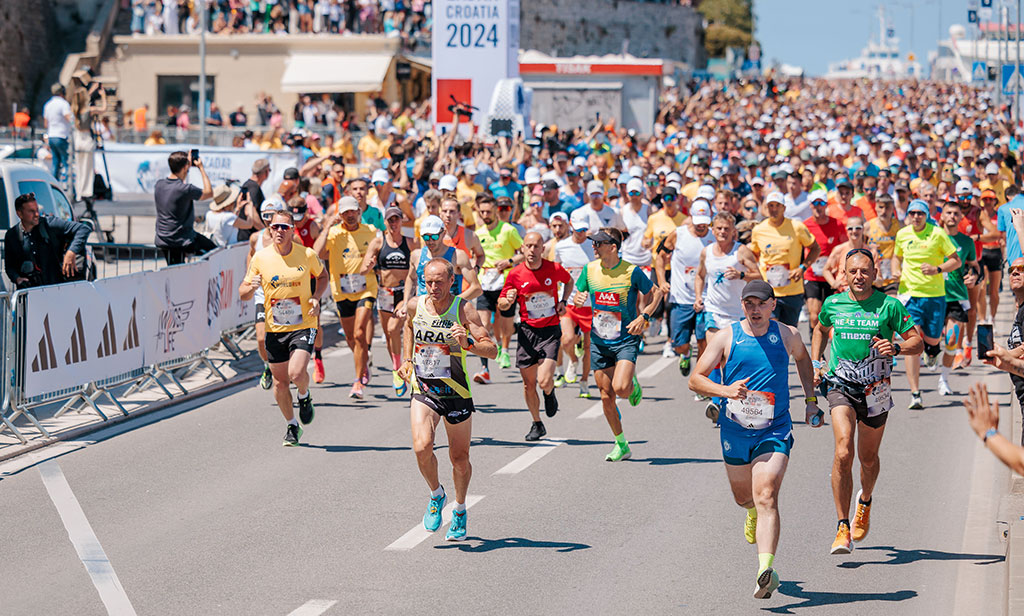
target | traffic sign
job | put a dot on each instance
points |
(979, 72)
(1011, 78)
(986, 4)
(972, 16)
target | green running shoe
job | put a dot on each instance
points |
(767, 582)
(267, 378)
(750, 528)
(638, 393)
(619, 452)
(684, 366)
(504, 361)
(559, 381)
(579, 348)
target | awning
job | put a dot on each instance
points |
(320, 73)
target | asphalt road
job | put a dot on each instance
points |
(200, 510)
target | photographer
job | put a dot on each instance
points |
(176, 210)
(42, 250)
(230, 211)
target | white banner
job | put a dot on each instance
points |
(224, 311)
(134, 169)
(474, 45)
(177, 324)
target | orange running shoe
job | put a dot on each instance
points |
(318, 371)
(842, 544)
(958, 360)
(861, 520)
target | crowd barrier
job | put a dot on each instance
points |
(77, 342)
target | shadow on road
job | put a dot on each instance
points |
(353, 448)
(671, 461)
(486, 441)
(477, 545)
(902, 557)
(817, 599)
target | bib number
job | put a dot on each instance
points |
(287, 311)
(351, 283)
(607, 325)
(540, 305)
(778, 276)
(878, 397)
(818, 267)
(386, 300)
(491, 279)
(755, 412)
(432, 361)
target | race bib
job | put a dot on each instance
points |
(885, 269)
(385, 300)
(878, 397)
(575, 272)
(432, 361)
(607, 325)
(755, 412)
(351, 283)
(540, 305)
(818, 267)
(287, 311)
(778, 276)
(491, 279)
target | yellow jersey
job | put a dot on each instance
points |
(287, 287)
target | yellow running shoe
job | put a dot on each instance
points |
(842, 544)
(861, 520)
(750, 527)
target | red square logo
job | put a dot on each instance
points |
(606, 298)
(460, 89)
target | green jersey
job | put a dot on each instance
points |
(956, 290)
(854, 324)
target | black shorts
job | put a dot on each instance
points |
(489, 302)
(838, 397)
(991, 259)
(281, 345)
(261, 313)
(537, 344)
(347, 307)
(890, 289)
(956, 312)
(454, 410)
(815, 289)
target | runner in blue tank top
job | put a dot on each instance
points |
(465, 284)
(757, 432)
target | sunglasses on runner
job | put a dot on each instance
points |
(668, 197)
(634, 193)
(855, 228)
(281, 226)
(430, 237)
(819, 203)
(1017, 270)
(861, 251)
(915, 213)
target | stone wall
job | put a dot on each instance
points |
(599, 27)
(28, 30)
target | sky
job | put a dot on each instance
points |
(812, 33)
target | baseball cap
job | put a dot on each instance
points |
(775, 197)
(623, 178)
(448, 182)
(560, 216)
(817, 195)
(580, 224)
(550, 185)
(992, 169)
(392, 211)
(706, 192)
(756, 181)
(988, 193)
(634, 184)
(918, 205)
(759, 289)
(380, 176)
(470, 169)
(274, 203)
(595, 186)
(844, 181)
(531, 176)
(670, 191)
(346, 204)
(604, 236)
(291, 173)
(431, 224)
(436, 175)
(700, 212)
(963, 187)
(505, 172)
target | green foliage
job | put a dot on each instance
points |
(718, 36)
(737, 14)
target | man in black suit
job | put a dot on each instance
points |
(42, 250)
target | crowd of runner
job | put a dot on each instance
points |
(869, 220)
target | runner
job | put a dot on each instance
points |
(574, 253)
(597, 213)
(559, 223)
(957, 299)
(389, 255)
(282, 271)
(457, 235)
(344, 246)
(829, 233)
(500, 242)
(757, 432)
(307, 230)
(465, 285)
(615, 287)
(881, 236)
(779, 244)
(861, 323)
(923, 253)
(439, 329)
(971, 226)
(835, 271)
(534, 284)
(257, 242)
(660, 225)
(635, 212)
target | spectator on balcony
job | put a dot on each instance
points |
(214, 118)
(156, 138)
(176, 212)
(238, 117)
(42, 250)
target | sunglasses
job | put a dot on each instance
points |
(281, 226)
(819, 203)
(267, 216)
(504, 208)
(857, 228)
(668, 198)
(434, 182)
(915, 213)
(1017, 270)
(861, 251)
(634, 193)
(430, 237)
(965, 198)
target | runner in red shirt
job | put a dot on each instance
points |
(829, 233)
(533, 284)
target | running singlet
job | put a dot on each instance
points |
(449, 255)
(956, 289)
(258, 297)
(852, 361)
(574, 257)
(828, 236)
(884, 241)
(302, 231)
(499, 243)
(931, 245)
(780, 250)
(763, 360)
(607, 217)
(459, 240)
(390, 258)
(722, 295)
(537, 292)
(685, 261)
(286, 288)
(613, 296)
(660, 225)
(636, 224)
(438, 360)
(345, 252)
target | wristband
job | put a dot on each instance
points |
(991, 432)
(817, 363)
(896, 348)
(811, 399)
(743, 275)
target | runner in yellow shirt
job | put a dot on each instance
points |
(881, 235)
(779, 244)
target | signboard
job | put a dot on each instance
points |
(979, 72)
(474, 45)
(972, 16)
(1011, 78)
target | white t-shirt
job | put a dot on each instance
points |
(685, 261)
(222, 229)
(799, 207)
(607, 217)
(636, 224)
(56, 111)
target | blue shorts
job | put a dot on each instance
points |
(604, 356)
(684, 322)
(929, 313)
(719, 322)
(741, 447)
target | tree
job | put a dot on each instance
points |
(730, 24)
(718, 36)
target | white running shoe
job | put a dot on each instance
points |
(664, 327)
(668, 351)
(944, 389)
(570, 372)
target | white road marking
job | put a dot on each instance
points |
(418, 534)
(90, 552)
(340, 352)
(313, 608)
(596, 410)
(531, 455)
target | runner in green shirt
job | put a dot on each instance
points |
(957, 300)
(862, 322)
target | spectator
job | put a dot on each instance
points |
(254, 186)
(238, 117)
(176, 211)
(214, 118)
(57, 118)
(155, 138)
(984, 419)
(139, 118)
(43, 250)
(230, 212)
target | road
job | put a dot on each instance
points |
(198, 509)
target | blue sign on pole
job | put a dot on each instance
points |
(979, 72)
(986, 4)
(1012, 79)
(972, 16)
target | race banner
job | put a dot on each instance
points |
(224, 311)
(177, 323)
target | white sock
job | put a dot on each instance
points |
(944, 373)
(460, 507)
(303, 396)
(438, 492)
(293, 422)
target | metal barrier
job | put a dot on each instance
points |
(119, 259)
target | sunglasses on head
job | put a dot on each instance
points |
(281, 226)
(430, 237)
(861, 251)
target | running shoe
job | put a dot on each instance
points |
(932, 361)
(861, 519)
(916, 404)
(750, 528)
(944, 389)
(638, 393)
(306, 410)
(667, 350)
(432, 518)
(457, 530)
(663, 329)
(711, 411)
(700, 398)
(579, 348)
(842, 544)
(967, 357)
(401, 387)
(357, 391)
(767, 583)
(318, 370)
(559, 381)
(292, 435)
(619, 452)
(958, 360)
(684, 366)
(369, 361)
(642, 344)
(365, 377)
(570, 372)
(504, 361)
(537, 430)
(267, 378)
(483, 377)
(584, 390)
(550, 404)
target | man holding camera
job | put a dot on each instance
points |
(42, 250)
(176, 209)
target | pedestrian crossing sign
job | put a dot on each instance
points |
(979, 72)
(1011, 78)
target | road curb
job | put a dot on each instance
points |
(159, 405)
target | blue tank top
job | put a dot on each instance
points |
(765, 361)
(449, 254)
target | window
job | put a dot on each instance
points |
(44, 196)
(63, 207)
(177, 90)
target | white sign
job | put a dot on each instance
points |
(134, 169)
(475, 44)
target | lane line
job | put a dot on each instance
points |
(314, 607)
(418, 534)
(339, 352)
(90, 552)
(596, 410)
(531, 455)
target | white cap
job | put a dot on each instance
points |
(579, 162)
(595, 186)
(274, 203)
(531, 176)
(637, 171)
(559, 216)
(380, 175)
(863, 149)
(991, 169)
(817, 195)
(700, 212)
(623, 178)
(963, 187)
(579, 223)
(775, 196)
(634, 184)
(894, 161)
(431, 224)
(470, 169)
(448, 182)
(346, 204)
(673, 177)
(706, 192)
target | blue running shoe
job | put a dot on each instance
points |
(432, 518)
(457, 531)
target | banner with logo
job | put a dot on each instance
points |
(176, 318)
(224, 311)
